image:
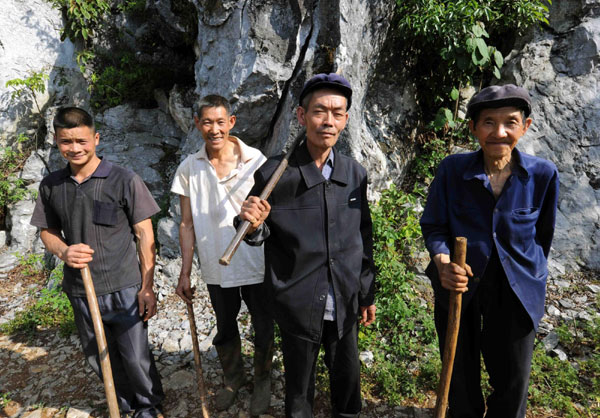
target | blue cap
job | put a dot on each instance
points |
(493, 97)
(327, 81)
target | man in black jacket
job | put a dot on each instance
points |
(317, 231)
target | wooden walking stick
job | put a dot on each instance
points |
(243, 227)
(454, 308)
(197, 359)
(109, 384)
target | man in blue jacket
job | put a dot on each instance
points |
(319, 273)
(504, 202)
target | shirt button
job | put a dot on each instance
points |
(496, 210)
(322, 297)
(494, 235)
(331, 260)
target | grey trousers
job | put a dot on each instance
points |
(137, 381)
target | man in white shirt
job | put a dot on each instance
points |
(212, 184)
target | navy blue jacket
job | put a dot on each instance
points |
(520, 223)
(316, 229)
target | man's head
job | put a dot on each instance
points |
(499, 118)
(75, 135)
(213, 118)
(324, 103)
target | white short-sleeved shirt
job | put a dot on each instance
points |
(215, 202)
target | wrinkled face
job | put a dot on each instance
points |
(499, 130)
(214, 123)
(324, 118)
(77, 145)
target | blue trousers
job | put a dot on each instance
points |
(137, 381)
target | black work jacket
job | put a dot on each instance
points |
(318, 230)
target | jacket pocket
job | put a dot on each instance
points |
(105, 213)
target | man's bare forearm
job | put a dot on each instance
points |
(54, 242)
(146, 251)
(187, 240)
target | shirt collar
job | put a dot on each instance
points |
(246, 153)
(476, 170)
(311, 173)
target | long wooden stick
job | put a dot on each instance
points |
(454, 308)
(243, 227)
(197, 359)
(109, 384)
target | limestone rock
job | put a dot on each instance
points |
(30, 41)
(560, 71)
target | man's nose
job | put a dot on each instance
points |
(500, 130)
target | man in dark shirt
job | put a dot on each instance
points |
(92, 213)
(504, 202)
(319, 273)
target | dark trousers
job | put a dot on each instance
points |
(341, 358)
(496, 324)
(137, 381)
(226, 303)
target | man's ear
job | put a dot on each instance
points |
(232, 120)
(197, 122)
(97, 138)
(527, 124)
(301, 115)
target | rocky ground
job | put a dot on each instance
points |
(47, 376)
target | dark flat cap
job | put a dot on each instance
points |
(327, 81)
(493, 97)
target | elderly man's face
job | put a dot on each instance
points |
(499, 130)
(324, 118)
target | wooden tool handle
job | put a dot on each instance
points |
(197, 359)
(243, 227)
(454, 308)
(109, 385)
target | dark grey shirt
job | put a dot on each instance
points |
(99, 212)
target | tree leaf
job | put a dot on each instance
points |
(497, 72)
(454, 93)
(482, 47)
(499, 59)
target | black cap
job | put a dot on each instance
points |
(327, 81)
(493, 97)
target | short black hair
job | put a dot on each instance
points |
(212, 100)
(72, 117)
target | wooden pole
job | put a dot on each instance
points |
(454, 308)
(197, 359)
(109, 384)
(243, 227)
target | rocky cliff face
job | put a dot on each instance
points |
(559, 67)
(260, 53)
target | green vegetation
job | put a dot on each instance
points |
(12, 187)
(5, 399)
(51, 309)
(83, 17)
(460, 43)
(571, 387)
(403, 339)
(123, 80)
(29, 86)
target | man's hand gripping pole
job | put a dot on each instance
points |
(243, 227)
